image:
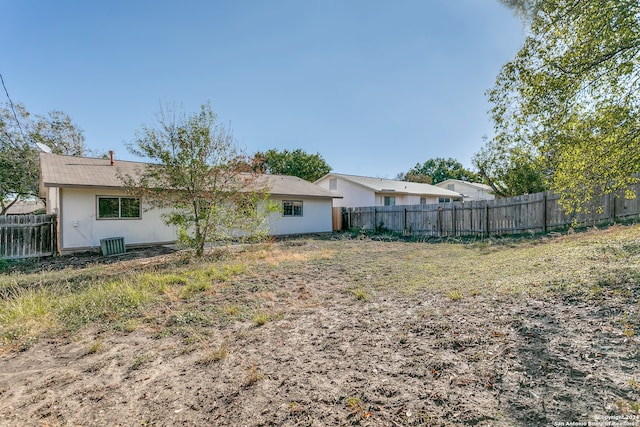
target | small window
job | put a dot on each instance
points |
(389, 200)
(444, 200)
(423, 200)
(333, 183)
(118, 208)
(292, 207)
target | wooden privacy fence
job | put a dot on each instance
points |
(531, 213)
(27, 236)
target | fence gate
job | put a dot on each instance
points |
(27, 236)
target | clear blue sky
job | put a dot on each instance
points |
(373, 86)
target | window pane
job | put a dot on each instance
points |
(287, 208)
(129, 207)
(108, 207)
(297, 208)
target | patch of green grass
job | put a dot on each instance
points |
(455, 295)
(260, 318)
(360, 294)
(140, 361)
(96, 347)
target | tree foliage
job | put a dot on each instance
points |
(570, 96)
(19, 131)
(510, 170)
(310, 167)
(437, 170)
(199, 173)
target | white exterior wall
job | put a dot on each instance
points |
(80, 229)
(316, 218)
(469, 191)
(353, 195)
(415, 200)
(401, 199)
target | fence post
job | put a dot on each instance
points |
(404, 223)
(486, 218)
(375, 218)
(613, 207)
(544, 212)
(453, 219)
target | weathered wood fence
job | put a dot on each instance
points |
(27, 236)
(532, 213)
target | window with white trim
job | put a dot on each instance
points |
(292, 208)
(389, 200)
(115, 207)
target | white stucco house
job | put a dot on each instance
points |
(91, 204)
(469, 190)
(362, 191)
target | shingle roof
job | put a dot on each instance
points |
(69, 171)
(284, 185)
(382, 185)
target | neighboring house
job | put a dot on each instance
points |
(91, 204)
(26, 207)
(469, 190)
(359, 191)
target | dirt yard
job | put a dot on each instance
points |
(358, 332)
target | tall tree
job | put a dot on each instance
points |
(510, 170)
(199, 173)
(570, 95)
(310, 167)
(19, 133)
(434, 171)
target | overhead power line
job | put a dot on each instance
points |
(13, 110)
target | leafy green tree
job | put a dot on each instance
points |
(310, 167)
(510, 170)
(571, 94)
(199, 173)
(19, 133)
(434, 171)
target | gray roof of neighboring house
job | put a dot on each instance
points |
(83, 172)
(382, 185)
(24, 207)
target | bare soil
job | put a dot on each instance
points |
(327, 355)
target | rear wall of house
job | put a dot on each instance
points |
(81, 229)
(353, 194)
(316, 217)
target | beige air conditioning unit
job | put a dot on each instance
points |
(112, 246)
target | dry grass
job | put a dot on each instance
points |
(343, 331)
(245, 284)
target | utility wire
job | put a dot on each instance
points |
(24, 138)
